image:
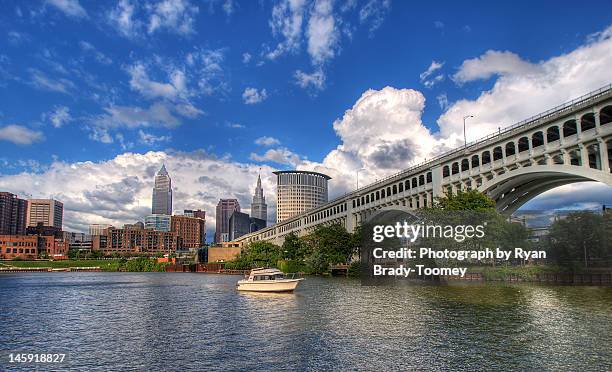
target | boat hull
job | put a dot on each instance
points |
(286, 285)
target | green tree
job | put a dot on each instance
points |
(471, 200)
(292, 248)
(580, 239)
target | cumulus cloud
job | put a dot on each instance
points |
(286, 23)
(20, 135)
(151, 139)
(251, 96)
(267, 141)
(374, 13)
(323, 36)
(281, 155)
(71, 8)
(134, 20)
(59, 116)
(140, 82)
(491, 63)
(314, 80)
(246, 57)
(118, 191)
(428, 78)
(524, 90)
(177, 16)
(123, 20)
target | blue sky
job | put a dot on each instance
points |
(257, 84)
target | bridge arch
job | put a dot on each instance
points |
(516, 187)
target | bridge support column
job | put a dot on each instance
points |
(597, 122)
(584, 156)
(603, 152)
(578, 129)
(565, 155)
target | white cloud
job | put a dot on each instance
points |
(140, 82)
(523, 90)
(157, 115)
(122, 18)
(234, 125)
(101, 135)
(41, 81)
(246, 57)
(151, 139)
(494, 63)
(281, 155)
(374, 12)
(425, 76)
(267, 141)
(71, 8)
(323, 37)
(20, 135)
(286, 22)
(252, 96)
(439, 25)
(228, 7)
(177, 16)
(442, 101)
(314, 80)
(118, 191)
(99, 56)
(59, 116)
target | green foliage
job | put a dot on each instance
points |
(314, 253)
(578, 234)
(472, 200)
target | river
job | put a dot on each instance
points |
(172, 321)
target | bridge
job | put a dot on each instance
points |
(566, 144)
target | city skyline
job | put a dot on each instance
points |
(371, 98)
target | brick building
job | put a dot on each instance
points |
(31, 247)
(190, 230)
(136, 241)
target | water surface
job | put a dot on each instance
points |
(181, 321)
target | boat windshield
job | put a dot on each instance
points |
(269, 277)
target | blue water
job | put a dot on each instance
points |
(180, 321)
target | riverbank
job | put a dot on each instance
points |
(108, 265)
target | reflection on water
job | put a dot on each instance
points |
(201, 322)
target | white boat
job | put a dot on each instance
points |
(265, 279)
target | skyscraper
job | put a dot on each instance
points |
(45, 212)
(12, 214)
(162, 193)
(299, 191)
(225, 208)
(259, 208)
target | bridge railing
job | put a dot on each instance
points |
(567, 106)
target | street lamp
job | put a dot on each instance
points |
(464, 136)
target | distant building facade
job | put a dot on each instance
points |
(224, 211)
(136, 241)
(259, 208)
(134, 226)
(241, 224)
(162, 193)
(13, 214)
(47, 212)
(98, 229)
(157, 222)
(195, 213)
(32, 247)
(299, 191)
(190, 230)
